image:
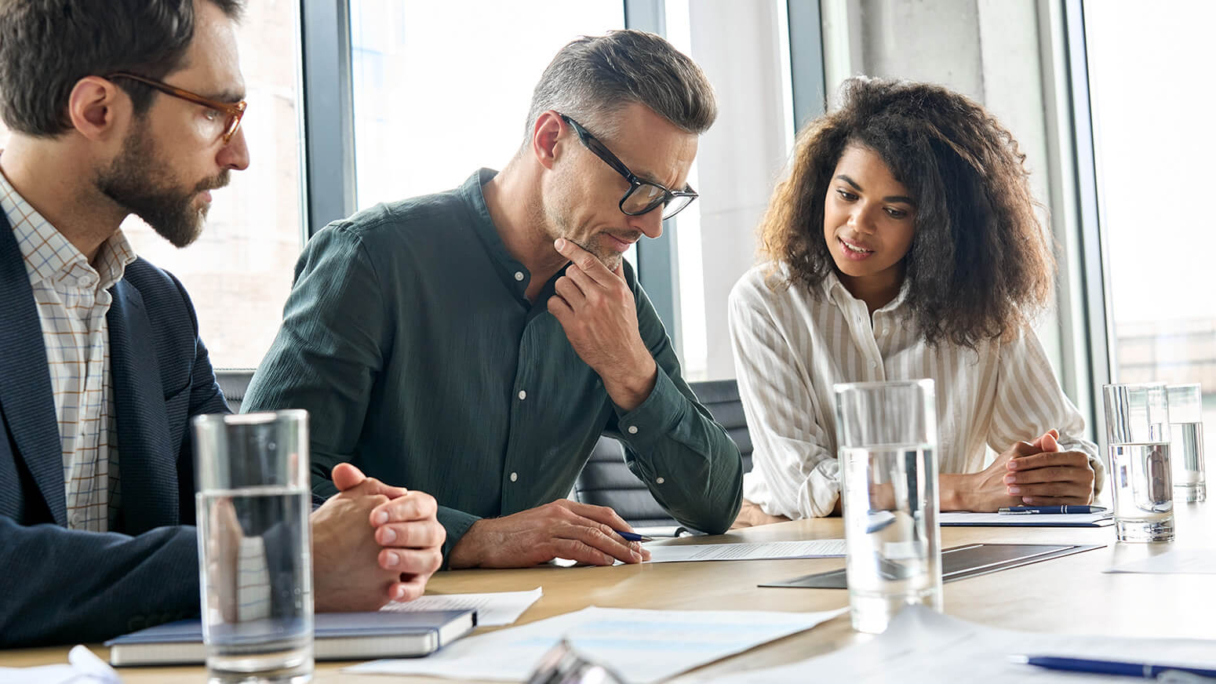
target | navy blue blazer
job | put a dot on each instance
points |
(63, 586)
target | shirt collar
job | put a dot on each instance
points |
(48, 255)
(513, 273)
(835, 291)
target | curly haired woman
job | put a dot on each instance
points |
(903, 245)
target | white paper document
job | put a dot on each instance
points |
(83, 667)
(821, 548)
(922, 646)
(1176, 562)
(641, 645)
(493, 610)
(968, 519)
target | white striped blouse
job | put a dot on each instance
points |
(792, 344)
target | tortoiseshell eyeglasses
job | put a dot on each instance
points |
(234, 111)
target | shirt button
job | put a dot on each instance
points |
(659, 480)
(84, 281)
(514, 476)
(519, 275)
(873, 365)
(522, 395)
(633, 429)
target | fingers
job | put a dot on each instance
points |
(1023, 449)
(404, 508)
(560, 309)
(575, 550)
(1053, 489)
(417, 534)
(1057, 500)
(584, 260)
(346, 476)
(408, 590)
(585, 282)
(411, 561)
(600, 514)
(349, 479)
(1047, 443)
(1073, 459)
(1052, 474)
(602, 539)
(568, 290)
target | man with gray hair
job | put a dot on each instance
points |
(476, 343)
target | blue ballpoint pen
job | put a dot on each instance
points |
(633, 536)
(1025, 510)
(1109, 667)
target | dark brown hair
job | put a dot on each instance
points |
(47, 46)
(979, 267)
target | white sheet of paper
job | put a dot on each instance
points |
(83, 667)
(642, 645)
(493, 610)
(822, 548)
(1176, 562)
(951, 518)
(922, 646)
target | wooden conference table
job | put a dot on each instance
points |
(1067, 595)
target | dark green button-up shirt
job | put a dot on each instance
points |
(408, 338)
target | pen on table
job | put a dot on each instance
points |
(633, 536)
(1109, 667)
(1030, 510)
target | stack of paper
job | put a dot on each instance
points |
(83, 667)
(642, 645)
(493, 610)
(682, 553)
(923, 646)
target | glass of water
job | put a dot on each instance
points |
(887, 434)
(1186, 443)
(1138, 437)
(255, 558)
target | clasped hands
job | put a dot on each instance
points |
(1027, 474)
(373, 543)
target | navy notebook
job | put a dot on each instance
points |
(338, 636)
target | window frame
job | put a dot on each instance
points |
(1095, 324)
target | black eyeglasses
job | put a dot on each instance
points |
(642, 196)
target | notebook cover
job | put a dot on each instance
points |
(338, 636)
(965, 519)
(325, 626)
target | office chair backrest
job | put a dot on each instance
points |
(607, 481)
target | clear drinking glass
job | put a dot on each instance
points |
(887, 434)
(1186, 443)
(255, 562)
(1138, 436)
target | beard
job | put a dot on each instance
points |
(558, 216)
(141, 181)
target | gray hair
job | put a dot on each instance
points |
(593, 77)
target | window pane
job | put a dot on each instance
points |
(1150, 111)
(442, 88)
(686, 226)
(239, 271)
